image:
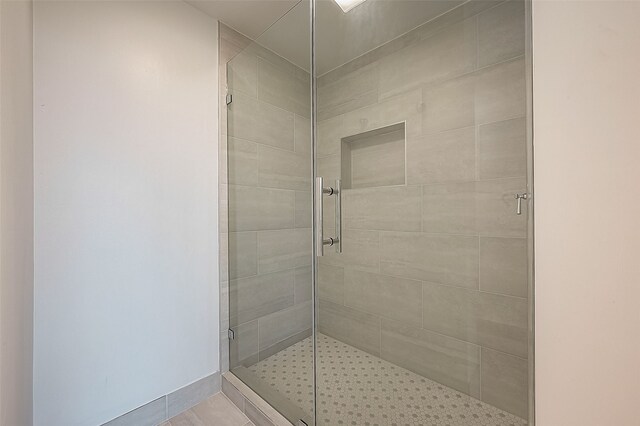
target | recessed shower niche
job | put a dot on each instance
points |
(374, 158)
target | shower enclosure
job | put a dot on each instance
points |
(379, 212)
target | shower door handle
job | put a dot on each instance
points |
(338, 194)
(319, 192)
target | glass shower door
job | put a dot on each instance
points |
(269, 228)
(423, 296)
(379, 236)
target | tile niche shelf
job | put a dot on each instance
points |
(374, 158)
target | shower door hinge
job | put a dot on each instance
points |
(229, 98)
(231, 334)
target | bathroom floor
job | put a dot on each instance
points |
(216, 410)
(356, 388)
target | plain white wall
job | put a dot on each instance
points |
(16, 213)
(587, 171)
(126, 279)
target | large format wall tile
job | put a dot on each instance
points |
(243, 254)
(496, 207)
(303, 209)
(284, 344)
(261, 122)
(253, 209)
(283, 169)
(242, 74)
(243, 349)
(284, 88)
(490, 320)
(302, 284)
(329, 168)
(390, 297)
(503, 266)
(485, 207)
(272, 58)
(447, 259)
(502, 149)
(351, 326)
(360, 250)
(302, 135)
(242, 162)
(442, 157)
(281, 325)
(505, 382)
(444, 55)
(501, 92)
(501, 34)
(449, 208)
(329, 134)
(260, 295)
(283, 249)
(331, 283)
(394, 208)
(448, 361)
(350, 92)
(449, 105)
(405, 107)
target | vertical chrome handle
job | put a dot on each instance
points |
(519, 198)
(338, 192)
(318, 194)
(319, 191)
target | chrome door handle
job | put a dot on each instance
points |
(338, 194)
(319, 192)
(519, 198)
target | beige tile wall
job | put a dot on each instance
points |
(267, 239)
(433, 276)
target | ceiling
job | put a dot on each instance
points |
(250, 17)
(283, 25)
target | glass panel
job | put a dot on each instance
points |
(422, 113)
(269, 186)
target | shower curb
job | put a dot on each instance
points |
(250, 403)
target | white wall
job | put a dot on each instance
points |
(126, 287)
(587, 166)
(16, 213)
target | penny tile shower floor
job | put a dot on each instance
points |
(356, 388)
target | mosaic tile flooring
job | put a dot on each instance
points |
(356, 388)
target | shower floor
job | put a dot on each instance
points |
(356, 388)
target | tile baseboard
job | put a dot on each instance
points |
(167, 406)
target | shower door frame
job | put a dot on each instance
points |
(528, 52)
